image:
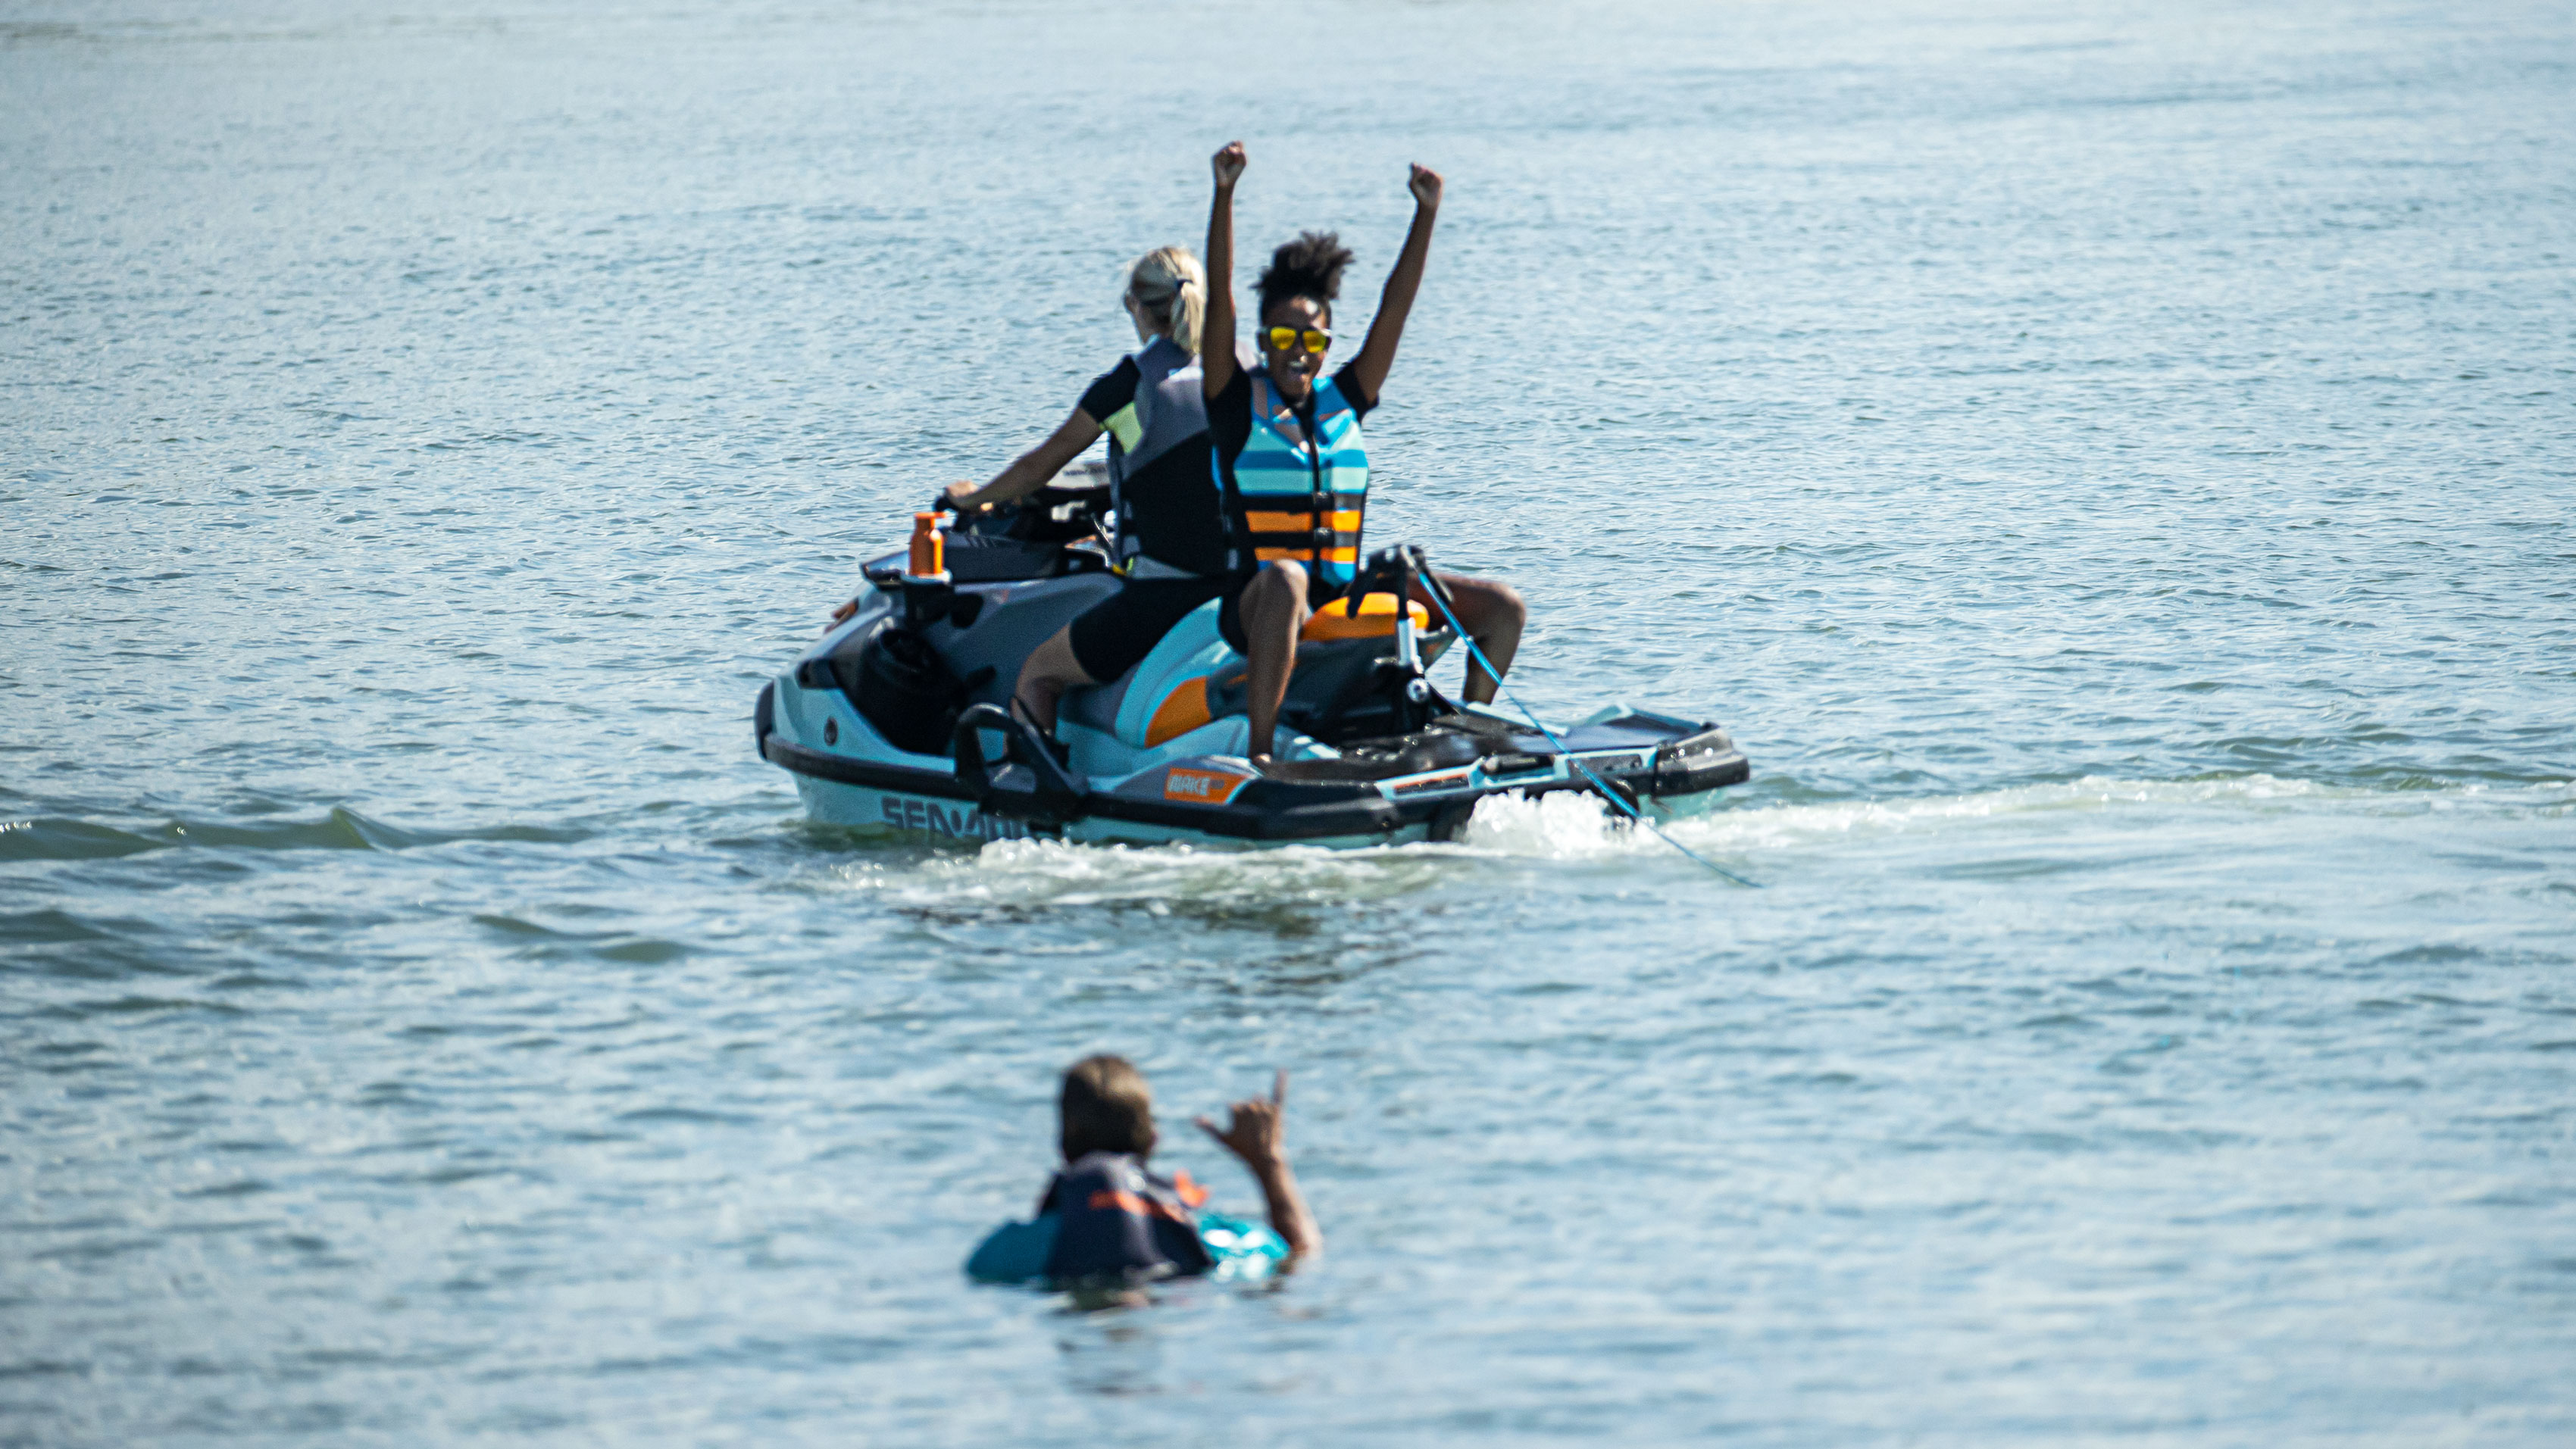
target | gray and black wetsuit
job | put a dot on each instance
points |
(1173, 544)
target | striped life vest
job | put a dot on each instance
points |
(1303, 503)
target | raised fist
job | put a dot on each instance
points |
(1425, 186)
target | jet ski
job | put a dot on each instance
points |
(899, 716)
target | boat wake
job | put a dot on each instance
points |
(1578, 829)
(1574, 827)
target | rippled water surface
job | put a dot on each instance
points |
(2109, 465)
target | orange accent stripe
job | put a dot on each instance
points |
(1284, 555)
(1376, 619)
(1181, 711)
(1344, 555)
(1190, 1192)
(1128, 1202)
(1372, 605)
(1343, 520)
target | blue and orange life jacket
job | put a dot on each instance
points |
(1124, 1229)
(1302, 498)
(1116, 1221)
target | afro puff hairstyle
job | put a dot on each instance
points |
(1311, 266)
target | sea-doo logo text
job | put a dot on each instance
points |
(912, 813)
(1202, 787)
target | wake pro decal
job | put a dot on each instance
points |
(962, 822)
(1202, 787)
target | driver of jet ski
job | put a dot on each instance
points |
(1288, 443)
(1172, 544)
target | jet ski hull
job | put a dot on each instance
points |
(962, 821)
(889, 720)
(1665, 766)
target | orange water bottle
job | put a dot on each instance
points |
(929, 547)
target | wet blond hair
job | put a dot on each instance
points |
(1169, 288)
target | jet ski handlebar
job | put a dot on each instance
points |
(1402, 678)
(1057, 795)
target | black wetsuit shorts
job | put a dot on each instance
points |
(1114, 635)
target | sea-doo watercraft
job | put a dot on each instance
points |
(899, 716)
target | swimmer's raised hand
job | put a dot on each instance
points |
(1256, 1134)
(1425, 186)
(1228, 164)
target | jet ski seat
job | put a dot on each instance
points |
(1193, 677)
(1167, 694)
(1374, 620)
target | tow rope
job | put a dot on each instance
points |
(1440, 596)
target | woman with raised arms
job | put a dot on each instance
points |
(1289, 446)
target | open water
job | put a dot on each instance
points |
(2110, 465)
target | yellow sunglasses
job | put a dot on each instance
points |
(1283, 339)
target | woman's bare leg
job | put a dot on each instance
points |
(1493, 615)
(1049, 671)
(1274, 610)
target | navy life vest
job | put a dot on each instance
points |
(1303, 498)
(1171, 512)
(1116, 1221)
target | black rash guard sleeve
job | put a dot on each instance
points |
(1111, 391)
(1352, 393)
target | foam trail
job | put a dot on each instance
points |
(1789, 827)
(1565, 825)
(1573, 826)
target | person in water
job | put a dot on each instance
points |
(1289, 447)
(1173, 551)
(1115, 1221)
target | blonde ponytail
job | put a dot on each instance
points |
(1170, 288)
